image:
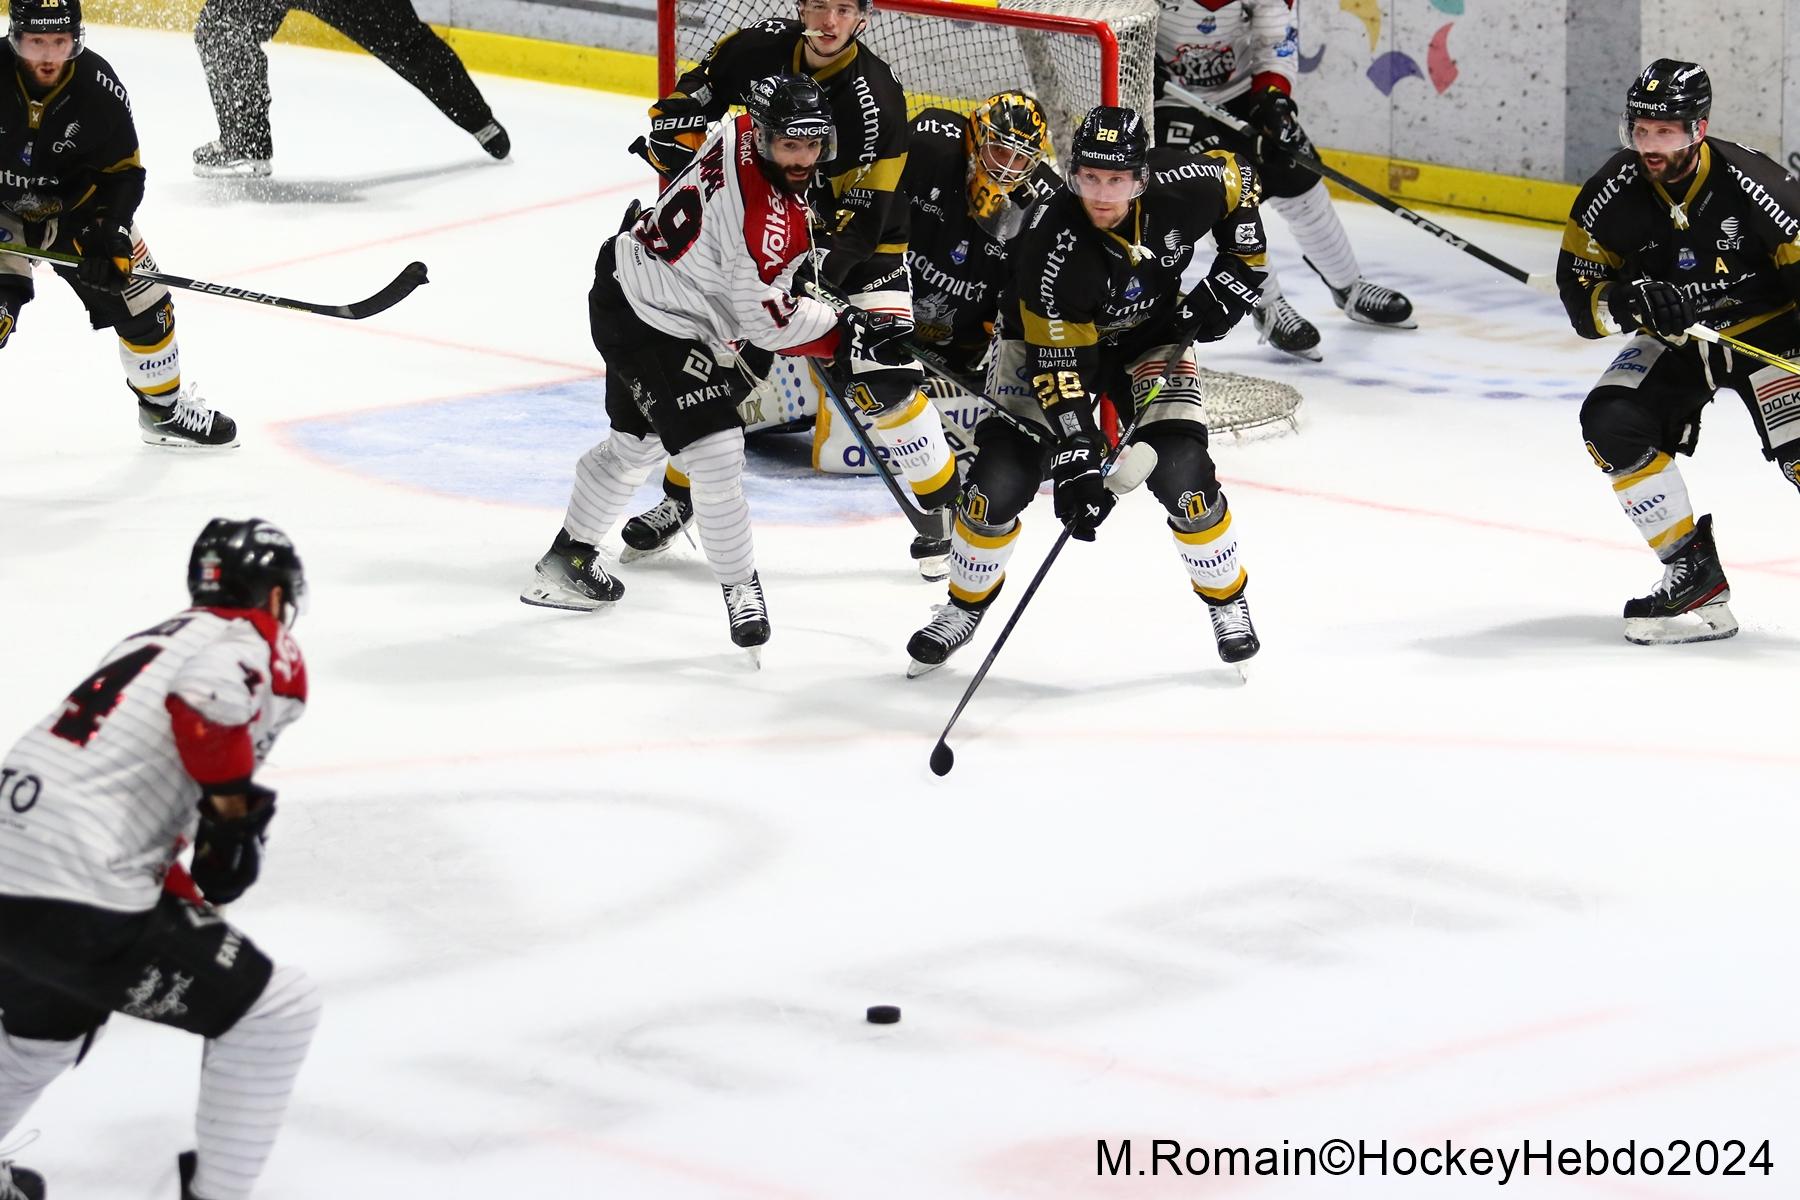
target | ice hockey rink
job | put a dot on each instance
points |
(597, 909)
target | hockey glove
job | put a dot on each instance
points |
(677, 131)
(1201, 311)
(105, 256)
(1654, 306)
(1080, 494)
(228, 850)
(872, 358)
(1277, 118)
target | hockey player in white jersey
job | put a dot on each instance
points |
(155, 749)
(1239, 55)
(712, 262)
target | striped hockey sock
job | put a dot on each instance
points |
(245, 1081)
(606, 478)
(715, 468)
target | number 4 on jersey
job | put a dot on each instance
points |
(98, 694)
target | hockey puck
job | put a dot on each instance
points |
(884, 1014)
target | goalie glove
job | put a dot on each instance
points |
(228, 850)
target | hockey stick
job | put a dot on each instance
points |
(1725, 339)
(403, 285)
(1132, 468)
(1534, 279)
(942, 757)
(924, 523)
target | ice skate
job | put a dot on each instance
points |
(1691, 603)
(494, 140)
(570, 576)
(189, 423)
(17, 1183)
(214, 161)
(933, 553)
(1280, 325)
(749, 615)
(949, 630)
(653, 531)
(1233, 631)
(1371, 304)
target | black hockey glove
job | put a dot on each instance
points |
(1653, 306)
(1201, 311)
(105, 256)
(228, 850)
(872, 350)
(1080, 494)
(677, 131)
(1277, 118)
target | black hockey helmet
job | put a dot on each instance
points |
(1668, 90)
(47, 17)
(1111, 139)
(235, 564)
(790, 106)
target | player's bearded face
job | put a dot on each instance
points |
(1667, 149)
(831, 24)
(793, 160)
(46, 54)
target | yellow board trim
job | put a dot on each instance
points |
(1415, 184)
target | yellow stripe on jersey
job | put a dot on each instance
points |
(1041, 331)
(1582, 244)
(1234, 178)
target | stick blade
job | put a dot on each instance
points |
(404, 284)
(942, 759)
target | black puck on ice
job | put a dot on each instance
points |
(884, 1014)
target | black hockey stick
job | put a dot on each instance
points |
(403, 285)
(1538, 280)
(942, 757)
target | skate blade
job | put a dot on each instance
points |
(248, 170)
(754, 654)
(1313, 354)
(631, 554)
(1708, 623)
(935, 569)
(915, 668)
(176, 443)
(542, 596)
(1409, 323)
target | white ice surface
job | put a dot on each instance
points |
(597, 910)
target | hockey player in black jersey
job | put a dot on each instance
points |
(969, 183)
(1675, 229)
(1093, 305)
(861, 220)
(71, 182)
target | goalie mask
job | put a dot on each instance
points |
(1006, 137)
(1667, 91)
(790, 106)
(47, 17)
(236, 564)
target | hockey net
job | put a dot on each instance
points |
(1070, 54)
